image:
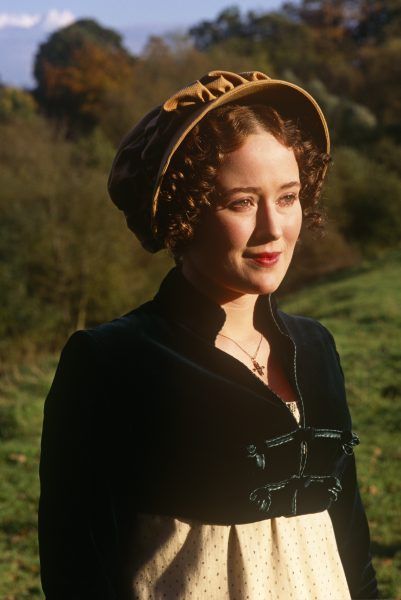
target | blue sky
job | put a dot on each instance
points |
(130, 12)
(24, 24)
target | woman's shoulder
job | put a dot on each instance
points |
(314, 339)
(304, 328)
(112, 336)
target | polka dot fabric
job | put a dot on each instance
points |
(275, 559)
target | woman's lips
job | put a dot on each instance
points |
(266, 259)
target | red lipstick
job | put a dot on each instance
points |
(266, 259)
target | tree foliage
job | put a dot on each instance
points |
(67, 260)
(58, 49)
(346, 44)
(77, 71)
(65, 254)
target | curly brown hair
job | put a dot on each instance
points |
(189, 185)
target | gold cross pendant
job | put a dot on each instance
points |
(257, 367)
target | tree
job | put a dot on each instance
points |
(382, 68)
(377, 21)
(229, 23)
(58, 49)
(77, 69)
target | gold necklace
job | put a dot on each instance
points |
(292, 406)
(257, 367)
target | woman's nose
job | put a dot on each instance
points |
(268, 222)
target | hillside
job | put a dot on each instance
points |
(361, 307)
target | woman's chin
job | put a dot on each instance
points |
(257, 286)
(268, 287)
(264, 281)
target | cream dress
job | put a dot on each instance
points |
(276, 559)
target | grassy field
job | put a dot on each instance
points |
(363, 310)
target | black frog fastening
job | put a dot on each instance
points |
(262, 497)
(319, 490)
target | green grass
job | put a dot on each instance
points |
(21, 407)
(362, 308)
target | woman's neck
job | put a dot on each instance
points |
(239, 323)
(239, 308)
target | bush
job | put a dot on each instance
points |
(67, 259)
(364, 200)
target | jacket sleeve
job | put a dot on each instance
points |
(352, 532)
(353, 540)
(71, 564)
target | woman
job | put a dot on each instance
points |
(201, 446)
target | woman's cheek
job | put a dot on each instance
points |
(292, 226)
(235, 232)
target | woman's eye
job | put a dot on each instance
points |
(242, 203)
(288, 199)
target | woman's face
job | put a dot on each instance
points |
(245, 243)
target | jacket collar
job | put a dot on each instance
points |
(182, 302)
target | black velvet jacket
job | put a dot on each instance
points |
(146, 415)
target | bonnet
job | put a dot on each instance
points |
(146, 151)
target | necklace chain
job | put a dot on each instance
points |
(257, 367)
(292, 406)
